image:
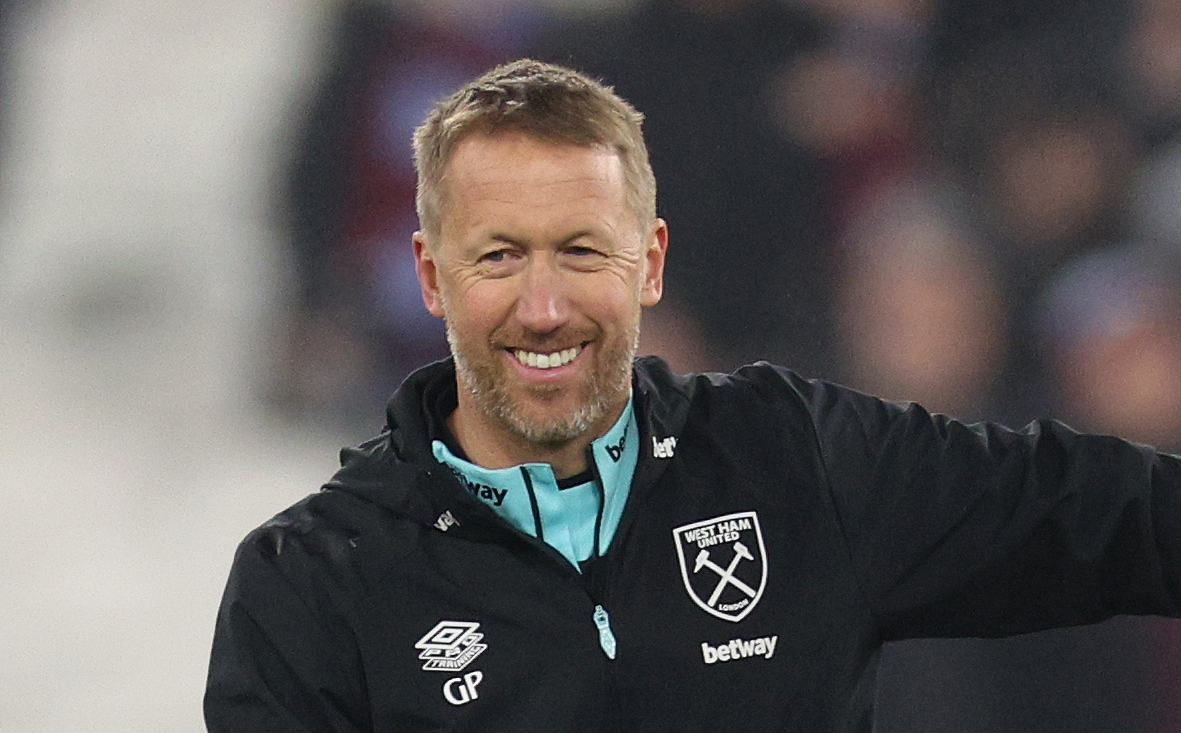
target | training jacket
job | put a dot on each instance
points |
(778, 531)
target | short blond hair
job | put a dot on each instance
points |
(550, 102)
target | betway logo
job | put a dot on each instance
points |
(663, 448)
(490, 494)
(739, 649)
(446, 521)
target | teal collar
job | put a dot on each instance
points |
(577, 520)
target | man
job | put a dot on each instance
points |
(554, 536)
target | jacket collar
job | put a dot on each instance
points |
(398, 471)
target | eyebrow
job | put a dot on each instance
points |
(581, 233)
(497, 237)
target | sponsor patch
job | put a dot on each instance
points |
(736, 649)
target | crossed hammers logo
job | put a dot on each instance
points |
(725, 575)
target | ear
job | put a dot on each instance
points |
(655, 250)
(428, 275)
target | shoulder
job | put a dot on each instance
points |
(309, 537)
(762, 380)
(330, 538)
(765, 394)
(761, 397)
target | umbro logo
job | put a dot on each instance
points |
(450, 646)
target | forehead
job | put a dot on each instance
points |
(518, 168)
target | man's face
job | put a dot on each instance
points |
(540, 269)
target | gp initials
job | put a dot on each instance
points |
(462, 690)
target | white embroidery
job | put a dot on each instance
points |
(663, 448)
(450, 646)
(462, 690)
(723, 563)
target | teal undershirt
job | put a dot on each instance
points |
(566, 514)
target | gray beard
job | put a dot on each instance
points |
(480, 381)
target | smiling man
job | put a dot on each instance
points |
(554, 535)
(540, 266)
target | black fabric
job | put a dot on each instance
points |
(875, 521)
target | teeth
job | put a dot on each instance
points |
(547, 361)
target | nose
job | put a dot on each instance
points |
(542, 302)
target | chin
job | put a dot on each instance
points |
(550, 429)
(551, 433)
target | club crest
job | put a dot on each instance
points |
(723, 563)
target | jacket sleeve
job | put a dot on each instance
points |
(283, 658)
(961, 529)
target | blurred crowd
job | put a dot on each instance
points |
(967, 203)
(973, 204)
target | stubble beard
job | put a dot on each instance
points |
(485, 381)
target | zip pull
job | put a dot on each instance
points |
(606, 636)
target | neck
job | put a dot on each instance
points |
(492, 446)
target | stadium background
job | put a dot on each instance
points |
(205, 283)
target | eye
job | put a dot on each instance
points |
(582, 251)
(499, 262)
(498, 259)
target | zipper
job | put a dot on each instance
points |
(606, 636)
(540, 534)
(602, 620)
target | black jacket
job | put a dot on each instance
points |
(778, 532)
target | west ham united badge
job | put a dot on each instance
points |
(723, 563)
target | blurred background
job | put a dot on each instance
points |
(206, 284)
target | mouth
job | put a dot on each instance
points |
(550, 360)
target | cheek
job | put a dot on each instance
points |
(480, 307)
(615, 303)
